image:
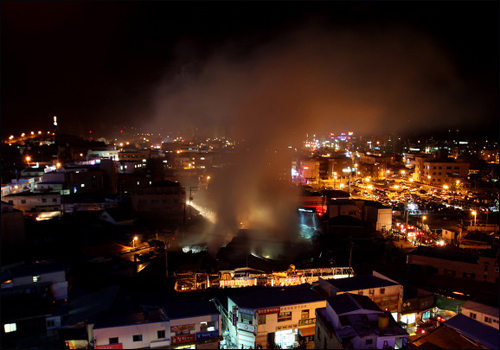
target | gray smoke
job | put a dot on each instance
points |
(312, 80)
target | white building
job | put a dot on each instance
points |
(36, 278)
(263, 317)
(485, 314)
(194, 324)
(356, 322)
(29, 202)
(384, 292)
(148, 329)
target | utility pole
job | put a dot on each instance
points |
(350, 253)
(166, 255)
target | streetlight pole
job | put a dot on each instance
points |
(475, 214)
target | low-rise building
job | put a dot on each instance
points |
(131, 330)
(483, 313)
(351, 321)
(473, 267)
(375, 214)
(269, 317)
(384, 292)
(459, 332)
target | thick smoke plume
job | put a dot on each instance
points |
(312, 80)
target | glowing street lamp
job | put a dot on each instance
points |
(423, 220)
(475, 215)
(445, 187)
(133, 241)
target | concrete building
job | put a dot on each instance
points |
(377, 215)
(455, 264)
(483, 313)
(351, 321)
(384, 292)
(267, 317)
(36, 279)
(439, 172)
(160, 200)
(133, 330)
(194, 323)
(29, 202)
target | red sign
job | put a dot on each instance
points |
(183, 338)
(110, 346)
(269, 310)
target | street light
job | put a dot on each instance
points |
(475, 215)
(423, 220)
(133, 241)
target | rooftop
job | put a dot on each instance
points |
(360, 282)
(348, 303)
(131, 318)
(275, 297)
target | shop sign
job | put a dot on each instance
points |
(293, 308)
(110, 346)
(178, 339)
(307, 322)
(200, 336)
(282, 328)
(182, 328)
(246, 327)
(247, 311)
(269, 310)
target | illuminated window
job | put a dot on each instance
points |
(36, 279)
(10, 327)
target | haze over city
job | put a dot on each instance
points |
(315, 67)
(232, 175)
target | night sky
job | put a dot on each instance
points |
(254, 68)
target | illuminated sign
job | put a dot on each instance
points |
(246, 327)
(206, 335)
(183, 338)
(293, 307)
(246, 311)
(269, 310)
(282, 328)
(307, 322)
(182, 328)
(110, 346)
